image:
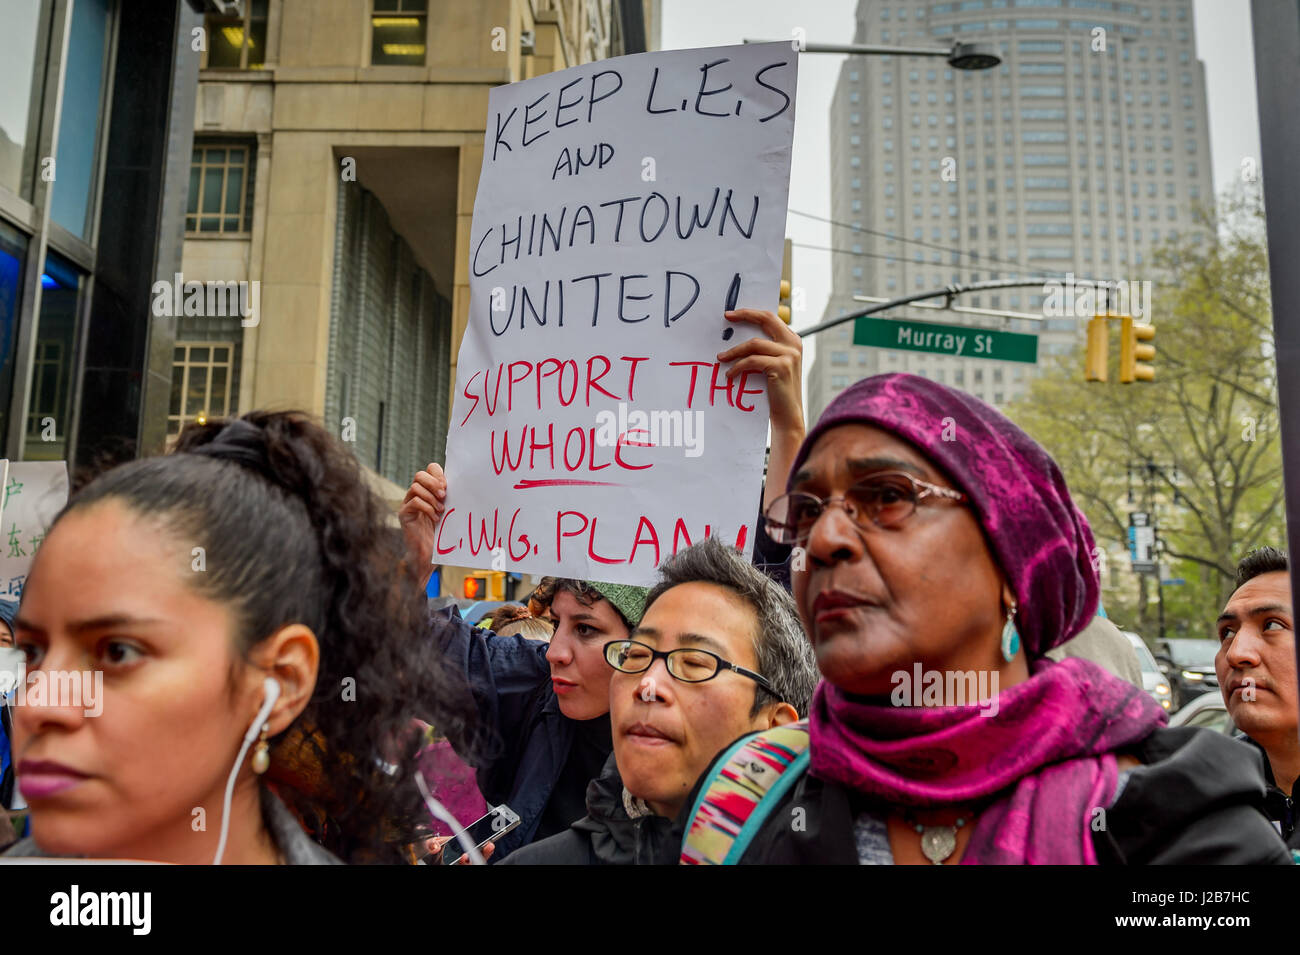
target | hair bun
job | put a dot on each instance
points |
(243, 443)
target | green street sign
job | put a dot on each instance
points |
(958, 340)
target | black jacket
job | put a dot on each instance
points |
(1197, 798)
(1278, 806)
(607, 835)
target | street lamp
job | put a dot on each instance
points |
(961, 56)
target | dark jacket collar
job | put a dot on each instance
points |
(1278, 806)
(617, 838)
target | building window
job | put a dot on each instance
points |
(201, 373)
(220, 189)
(397, 31)
(237, 42)
(53, 366)
(49, 384)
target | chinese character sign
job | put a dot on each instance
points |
(34, 493)
(622, 207)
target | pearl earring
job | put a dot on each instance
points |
(261, 754)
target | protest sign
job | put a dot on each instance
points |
(34, 493)
(622, 207)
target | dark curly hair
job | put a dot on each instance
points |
(292, 534)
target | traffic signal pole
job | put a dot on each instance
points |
(950, 292)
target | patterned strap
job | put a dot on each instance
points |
(753, 776)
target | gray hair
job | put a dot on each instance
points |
(785, 656)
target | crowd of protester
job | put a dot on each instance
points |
(275, 681)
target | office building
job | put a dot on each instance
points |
(96, 115)
(1082, 151)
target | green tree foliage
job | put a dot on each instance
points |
(1199, 445)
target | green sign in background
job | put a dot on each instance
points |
(959, 340)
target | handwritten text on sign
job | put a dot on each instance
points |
(34, 493)
(622, 207)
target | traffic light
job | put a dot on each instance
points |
(487, 585)
(1132, 354)
(783, 309)
(1098, 349)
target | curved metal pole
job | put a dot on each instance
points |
(948, 292)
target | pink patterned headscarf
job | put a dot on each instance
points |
(1040, 539)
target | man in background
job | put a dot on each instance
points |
(1256, 667)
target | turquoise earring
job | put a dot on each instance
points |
(1010, 636)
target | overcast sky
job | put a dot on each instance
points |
(1223, 42)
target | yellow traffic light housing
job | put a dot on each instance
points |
(1098, 349)
(783, 310)
(1133, 354)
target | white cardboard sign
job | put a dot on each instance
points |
(623, 206)
(34, 493)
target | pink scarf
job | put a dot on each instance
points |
(1042, 765)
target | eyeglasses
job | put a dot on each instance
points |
(687, 664)
(885, 500)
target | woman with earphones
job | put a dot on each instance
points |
(260, 664)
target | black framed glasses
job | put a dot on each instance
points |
(885, 500)
(687, 664)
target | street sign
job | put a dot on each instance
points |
(957, 340)
(1141, 543)
(1173, 582)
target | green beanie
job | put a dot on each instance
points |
(629, 600)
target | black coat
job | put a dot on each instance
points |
(607, 835)
(1198, 798)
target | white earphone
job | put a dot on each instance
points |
(272, 688)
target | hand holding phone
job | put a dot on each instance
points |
(498, 821)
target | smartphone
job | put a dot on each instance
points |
(490, 828)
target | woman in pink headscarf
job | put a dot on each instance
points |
(942, 558)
